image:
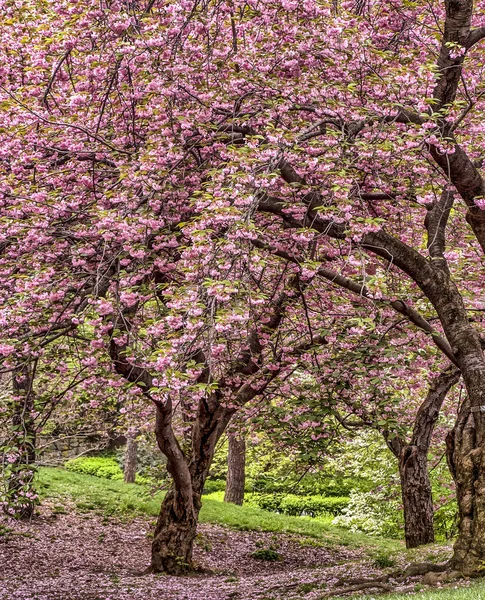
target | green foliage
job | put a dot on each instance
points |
(270, 470)
(383, 561)
(446, 520)
(269, 554)
(99, 466)
(214, 485)
(375, 513)
(293, 505)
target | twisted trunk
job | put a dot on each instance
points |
(466, 460)
(236, 463)
(175, 532)
(177, 522)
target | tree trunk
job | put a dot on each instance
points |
(177, 523)
(236, 462)
(175, 533)
(467, 464)
(129, 468)
(21, 492)
(416, 496)
(413, 462)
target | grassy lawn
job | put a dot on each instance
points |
(116, 498)
(474, 592)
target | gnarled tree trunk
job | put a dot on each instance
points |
(177, 523)
(413, 464)
(466, 458)
(175, 532)
(236, 464)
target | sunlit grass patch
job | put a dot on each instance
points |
(111, 498)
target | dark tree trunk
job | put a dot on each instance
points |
(416, 496)
(20, 482)
(413, 463)
(177, 523)
(129, 468)
(175, 533)
(466, 458)
(236, 463)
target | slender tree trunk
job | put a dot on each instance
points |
(20, 482)
(129, 469)
(413, 462)
(236, 463)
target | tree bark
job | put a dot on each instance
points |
(129, 468)
(175, 533)
(417, 497)
(236, 463)
(413, 462)
(20, 482)
(177, 523)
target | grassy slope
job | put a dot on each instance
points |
(475, 592)
(116, 498)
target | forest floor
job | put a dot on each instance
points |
(73, 551)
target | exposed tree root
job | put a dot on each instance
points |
(357, 588)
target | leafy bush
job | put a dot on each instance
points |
(446, 520)
(214, 485)
(269, 554)
(293, 505)
(376, 513)
(383, 561)
(99, 466)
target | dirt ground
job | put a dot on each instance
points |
(87, 557)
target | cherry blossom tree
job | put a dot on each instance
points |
(159, 160)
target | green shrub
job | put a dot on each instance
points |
(446, 520)
(383, 561)
(214, 485)
(311, 506)
(269, 554)
(99, 466)
(376, 513)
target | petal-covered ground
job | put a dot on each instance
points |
(87, 557)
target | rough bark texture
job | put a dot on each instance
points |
(236, 463)
(129, 470)
(175, 533)
(466, 460)
(413, 462)
(177, 523)
(417, 497)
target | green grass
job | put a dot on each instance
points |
(475, 592)
(118, 499)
